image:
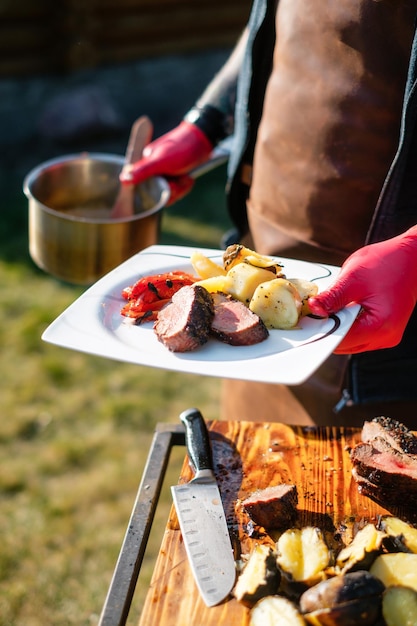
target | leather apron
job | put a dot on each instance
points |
(327, 136)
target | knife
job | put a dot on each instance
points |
(202, 518)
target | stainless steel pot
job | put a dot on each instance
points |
(71, 233)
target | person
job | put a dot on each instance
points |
(320, 97)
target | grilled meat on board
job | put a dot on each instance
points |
(383, 466)
(395, 433)
(273, 507)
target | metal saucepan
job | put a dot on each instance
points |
(71, 233)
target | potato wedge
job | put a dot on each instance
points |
(244, 279)
(205, 267)
(397, 568)
(277, 303)
(362, 551)
(259, 578)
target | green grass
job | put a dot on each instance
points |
(75, 431)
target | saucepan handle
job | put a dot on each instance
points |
(219, 156)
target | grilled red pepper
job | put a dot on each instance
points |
(149, 294)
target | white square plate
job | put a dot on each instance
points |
(93, 324)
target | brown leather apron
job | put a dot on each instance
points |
(327, 136)
(330, 123)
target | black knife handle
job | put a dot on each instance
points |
(197, 440)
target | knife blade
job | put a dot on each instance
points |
(202, 518)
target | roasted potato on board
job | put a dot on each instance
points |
(399, 606)
(397, 568)
(303, 555)
(260, 576)
(274, 611)
(401, 536)
(362, 551)
(352, 599)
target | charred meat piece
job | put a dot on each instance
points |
(184, 324)
(235, 324)
(273, 507)
(382, 469)
(395, 433)
(385, 495)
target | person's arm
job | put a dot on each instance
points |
(176, 153)
(220, 95)
(382, 279)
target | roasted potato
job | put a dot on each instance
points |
(260, 576)
(399, 606)
(303, 555)
(362, 551)
(243, 279)
(400, 536)
(352, 599)
(205, 267)
(258, 282)
(274, 610)
(277, 303)
(237, 253)
(397, 568)
(215, 284)
(306, 289)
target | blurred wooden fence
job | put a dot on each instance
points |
(49, 36)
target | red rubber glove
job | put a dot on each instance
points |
(382, 278)
(172, 156)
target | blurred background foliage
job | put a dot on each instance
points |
(75, 429)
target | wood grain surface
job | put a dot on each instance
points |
(250, 456)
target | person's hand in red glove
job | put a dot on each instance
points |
(382, 279)
(172, 156)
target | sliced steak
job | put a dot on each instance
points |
(387, 495)
(235, 324)
(383, 468)
(184, 324)
(395, 433)
(379, 462)
(273, 507)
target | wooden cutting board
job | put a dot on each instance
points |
(250, 456)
